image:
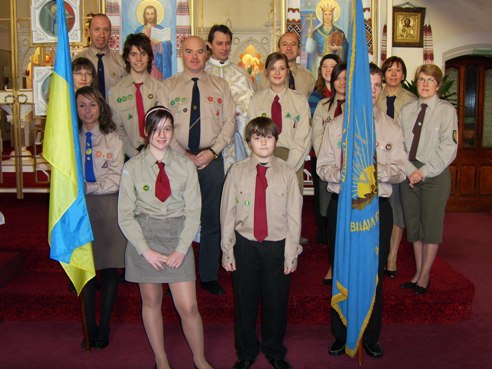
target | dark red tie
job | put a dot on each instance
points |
(417, 129)
(277, 113)
(162, 185)
(260, 221)
(338, 109)
(140, 110)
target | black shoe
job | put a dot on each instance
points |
(419, 290)
(327, 281)
(391, 273)
(213, 287)
(279, 363)
(101, 344)
(242, 364)
(408, 285)
(337, 348)
(373, 349)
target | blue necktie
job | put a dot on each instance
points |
(89, 166)
(194, 134)
(390, 106)
(292, 82)
(100, 75)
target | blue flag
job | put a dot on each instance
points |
(357, 238)
(70, 233)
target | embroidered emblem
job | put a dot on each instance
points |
(109, 155)
(288, 115)
(105, 165)
(173, 102)
(146, 187)
(88, 152)
(98, 154)
(263, 114)
(119, 99)
(185, 110)
(130, 116)
(247, 203)
(150, 96)
(124, 98)
(130, 97)
(210, 98)
(389, 147)
(296, 120)
(219, 100)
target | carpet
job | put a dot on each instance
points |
(40, 291)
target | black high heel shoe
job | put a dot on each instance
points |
(419, 290)
(391, 273)
(408, 285)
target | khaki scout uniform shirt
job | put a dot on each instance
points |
(217, 110)
(438, 142)
(107, 157)
(137, 196)
(323, 115)
(296, 131)
(114, 66)
(403, 97)
(283, 204)
(121, 99)
(303, 79)
(390, 153)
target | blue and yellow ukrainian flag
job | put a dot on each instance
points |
(357, 241)
(70, 234)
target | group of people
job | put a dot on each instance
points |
(210, 155)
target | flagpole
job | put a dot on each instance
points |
(85, 331)
(360, 354)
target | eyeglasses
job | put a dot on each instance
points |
(428, 80)
(82, 74)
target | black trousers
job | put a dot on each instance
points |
(259, 276)
(373, 329)
(211, 181)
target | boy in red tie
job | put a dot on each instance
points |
(261, 223)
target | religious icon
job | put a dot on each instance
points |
(156, 19)
(408, 27)
(327, 35)
(43, 20)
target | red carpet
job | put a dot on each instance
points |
(40, 293)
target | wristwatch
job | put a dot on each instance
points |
(213, 153)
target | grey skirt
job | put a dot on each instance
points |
(162, 235)
(109, 242)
